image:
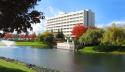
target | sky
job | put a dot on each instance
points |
(106, 11)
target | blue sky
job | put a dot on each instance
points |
(106, 11)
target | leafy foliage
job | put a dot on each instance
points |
(105, 48)
(112, 40)
(113, 36)
(46, 37)
(108, 40)
(60, 35)
(78, 30)
(10, 36)
(49, 39)
(42, 37)
(18, 15)
(92, 36)
(109, 48)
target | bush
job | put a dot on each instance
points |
(60, 36)
(106, 48)
(121, 48)
(45, 35)
(109, 48)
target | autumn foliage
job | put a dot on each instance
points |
(78, 30)
(20, 36)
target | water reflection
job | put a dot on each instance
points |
(67, 61)
(99, 63)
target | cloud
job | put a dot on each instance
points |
(49, 11)
(38, 28)
(118, 23)
(99, 25)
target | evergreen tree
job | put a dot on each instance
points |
(60, 34)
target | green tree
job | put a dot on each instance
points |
(92, 36)
(60, 35)
(113, 36)
(44, 35)
(18, 15)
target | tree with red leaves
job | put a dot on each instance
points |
(78, 30)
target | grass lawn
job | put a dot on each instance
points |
(89, 49)
(31, 44)
(13, 67)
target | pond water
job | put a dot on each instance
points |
(65, 60)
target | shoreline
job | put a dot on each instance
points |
(90, 50)
(30, 66)
(114, 53)
(33, 46)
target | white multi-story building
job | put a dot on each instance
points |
(66, 21)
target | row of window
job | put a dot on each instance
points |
(58, 26)
(60, 23)
(61, 28)
(77, 14)
(66, 19)
(63, 31)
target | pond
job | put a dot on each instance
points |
(65, 60)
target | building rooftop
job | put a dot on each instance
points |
(69, 13)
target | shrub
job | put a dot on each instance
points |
(121, 48)
(109, 48)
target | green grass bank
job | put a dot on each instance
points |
(37, 44)
(6, 66)
(89, 49)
